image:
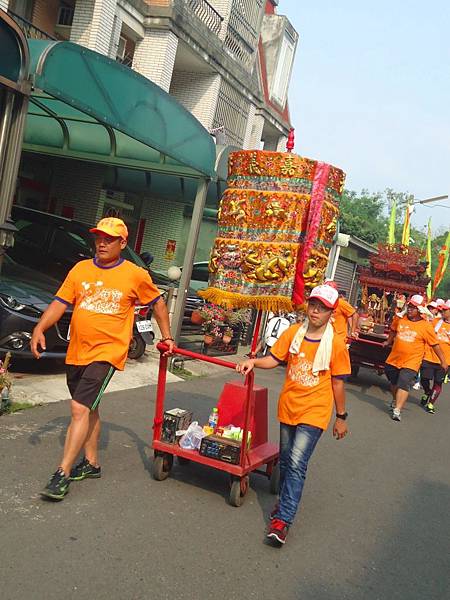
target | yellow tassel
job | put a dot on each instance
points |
(231, 300)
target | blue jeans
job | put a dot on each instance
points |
(297, 443)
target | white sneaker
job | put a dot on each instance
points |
(416, 386)
(396, 414)
(391, 405)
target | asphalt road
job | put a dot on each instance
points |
(374, 522)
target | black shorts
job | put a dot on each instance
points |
(400, 378)
(87, 383)
(432, 371)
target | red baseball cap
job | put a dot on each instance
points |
(331, 283)
(327, 294)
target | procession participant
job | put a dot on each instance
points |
(103, 292)
(317, 364)
(345, 318)
(410, 335)
(431, 371)
(433, 308)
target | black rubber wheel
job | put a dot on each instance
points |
(183, 461)
(239, 488)
(136, 348)
(162, 464)
(275, 480)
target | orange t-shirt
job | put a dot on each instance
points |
(410, 343)
(341, 315)
(103, 314)
(307, 398)
(443, 337)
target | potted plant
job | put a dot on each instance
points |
(208, 333)
(5, 383)
(227, 334)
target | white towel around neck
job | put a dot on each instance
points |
(323, 355)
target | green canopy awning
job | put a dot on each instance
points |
(89, 107)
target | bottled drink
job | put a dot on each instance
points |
(213, 418)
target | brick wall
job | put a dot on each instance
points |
(154, 57)
(4, 4)
(78, 184)
(257, 129)
(198, 93)
(164, 222)
(247, 144)
(45, 13)
(93, 24)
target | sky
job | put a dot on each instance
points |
(370, 93)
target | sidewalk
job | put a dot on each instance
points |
(36, 388)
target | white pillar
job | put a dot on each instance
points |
(281, 146)
(115, 34)
(249, 128)
(198, 93)
(4, 5)
(154, 56)
(93, 23)
(257, 129)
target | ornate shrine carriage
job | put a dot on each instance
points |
(394, 273)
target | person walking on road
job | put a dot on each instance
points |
(432, 375)
(317, 365)
(345, 317)
(103, 292)
(410, 336)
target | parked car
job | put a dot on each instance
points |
(24, 295)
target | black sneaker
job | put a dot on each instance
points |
(424, 400)
(83, 470)
(57, 487)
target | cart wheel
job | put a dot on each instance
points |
(239, 488)
(183, 461)
(275, 479)
(355, 371)
(162, 464)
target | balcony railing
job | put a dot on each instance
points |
(207, 14)
(126, 59)
(30, 30)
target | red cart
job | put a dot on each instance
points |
(261, 457)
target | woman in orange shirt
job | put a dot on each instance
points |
(317, 364)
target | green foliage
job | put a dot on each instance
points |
(363, 215)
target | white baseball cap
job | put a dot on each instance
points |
(439, 302)
(433, 304)
(446, 305)
(326, 294)
(416, 300)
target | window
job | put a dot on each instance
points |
(280, 82)
(65, 15)
(22, 8)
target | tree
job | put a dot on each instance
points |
(363, 215)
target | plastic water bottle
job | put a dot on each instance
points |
(213, 418)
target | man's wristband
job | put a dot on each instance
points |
(342, 416)
(166, 339)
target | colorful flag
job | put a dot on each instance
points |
(391, 233)
(442, 263)
(407, 224)
(428, 257)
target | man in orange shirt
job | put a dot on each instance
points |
(345, 314)
(103, 291)
(431, 369)
(410, 336)
(317, 364)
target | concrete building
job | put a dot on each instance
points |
(227, 61)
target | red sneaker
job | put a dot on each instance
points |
(278, 531)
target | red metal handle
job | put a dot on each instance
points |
(211, 359)
(367, 342)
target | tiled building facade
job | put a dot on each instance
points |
(227, 61)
